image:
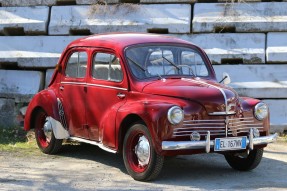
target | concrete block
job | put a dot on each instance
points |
(49, 74)
(92, 2)
(7, 113)
(24, 3)
(168, 18)
(258, 81)
(278, 115)
(21, 85)
(240, 17)
(276, 50)
(230, 48)
(24, 20)
(167, 1)
(33, 51)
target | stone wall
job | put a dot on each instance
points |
(248, 40)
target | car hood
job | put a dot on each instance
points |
(215, 97)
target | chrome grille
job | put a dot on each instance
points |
(216, 127)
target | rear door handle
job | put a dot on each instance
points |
(121, 95)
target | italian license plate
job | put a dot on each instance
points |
(232, 143)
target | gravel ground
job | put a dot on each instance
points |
(85, 167)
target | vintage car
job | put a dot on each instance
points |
(147, 96)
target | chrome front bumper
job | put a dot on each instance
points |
(208, 144)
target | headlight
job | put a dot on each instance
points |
(261, 111)
(175, 115)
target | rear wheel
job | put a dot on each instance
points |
(140, 158)
(44, 134)
(244, 161)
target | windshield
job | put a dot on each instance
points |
(163, 61)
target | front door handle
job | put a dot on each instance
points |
(61, 88)
(121, 95)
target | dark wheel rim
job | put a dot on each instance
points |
(138, 151)
(42, 130)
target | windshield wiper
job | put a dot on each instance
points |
(171, 63)
(137, 64)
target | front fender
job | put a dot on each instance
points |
(154, 115)
(45, 100)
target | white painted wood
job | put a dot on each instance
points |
(20, 84)
(278, 114)
(258, 81)
(276, 50)
(124, 18)
(33, 51)
(248, 47)
(33, 19)
(245, 17)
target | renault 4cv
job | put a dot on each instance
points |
(147, 96)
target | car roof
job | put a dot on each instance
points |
(122, 40)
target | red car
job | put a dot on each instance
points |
(147, 96)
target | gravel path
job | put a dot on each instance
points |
(85, 167)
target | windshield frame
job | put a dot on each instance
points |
(199, 51)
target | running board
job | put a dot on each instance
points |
(93, 143)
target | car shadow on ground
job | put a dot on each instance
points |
(202, 171)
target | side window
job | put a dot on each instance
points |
(77, 65)
(107, 67)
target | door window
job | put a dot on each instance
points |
(107, 67)
(77, 65)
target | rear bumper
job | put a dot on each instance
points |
(208, 144)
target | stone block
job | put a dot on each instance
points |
(230, 48)
(7, 113)
(92, 2)
(278, 114)
(32, 51)
(276, 50)
(24, 20)
(240, 17)
(49, 74)
(258, 81)
(20, 85)
(24, 3)
(84, 20)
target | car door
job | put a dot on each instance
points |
(106, 92)
(72, 92)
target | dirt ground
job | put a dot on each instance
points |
(85, 167)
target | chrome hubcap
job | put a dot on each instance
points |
(48, 129)
(142, 151)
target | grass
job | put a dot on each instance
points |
(15, 139)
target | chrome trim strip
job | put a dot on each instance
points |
(205, 120)
(96, 85)
(183, 145)
(104, 86)
(222, 113)
(93, 143)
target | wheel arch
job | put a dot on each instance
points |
(125, 125)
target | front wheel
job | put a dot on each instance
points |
(44, 134)
(244, 161)
(140, 158)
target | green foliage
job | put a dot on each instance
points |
(15, 139)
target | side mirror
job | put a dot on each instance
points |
(225, 78)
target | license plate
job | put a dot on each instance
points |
(232, 143)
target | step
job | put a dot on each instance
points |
(257, 81)
(84, 20)
(20, 85)
(17, 21)
(276, 51)
(228, 48)
(48, 78)
(240, 17)
(91, 2)
(33, 51)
